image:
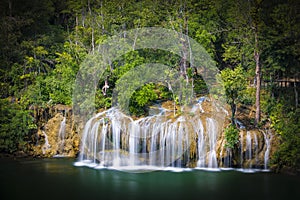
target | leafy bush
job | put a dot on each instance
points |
(231, 136)
(142, 98)
(15, 126)
(287, 126)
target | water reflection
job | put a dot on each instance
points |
(59, 179)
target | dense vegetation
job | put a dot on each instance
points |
(255, 44)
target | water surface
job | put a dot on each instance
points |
(58, 178)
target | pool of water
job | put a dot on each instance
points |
(58, 178)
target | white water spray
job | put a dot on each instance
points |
(212, 136)
(46, 146)
(201, 144)
(268, 138)
(256, 148)
(62, 135)
(112, 139)
(242, 148)
(249, 148)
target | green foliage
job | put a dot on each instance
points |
(163, 92)
(60, 82)
(126, 63)
(43, 43)
(15, 126)
(206, 40)
(36, 94)
(102, 101)
(234, 83)
(144, 95)
(282, 52)
(200, 86)
(231, 136)
(287, 126)
(141, 98)
(248, 96)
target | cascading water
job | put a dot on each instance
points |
(212, 135)
(242, 149)
(240, 124)
(249, 148)
(62, 135)
(268, 137)
(199, 105)
(256, 148)
(46, 146)
(114, 140)
(228, 158)
(133, 143)
(198, 127)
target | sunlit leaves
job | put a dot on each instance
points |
(231, 137)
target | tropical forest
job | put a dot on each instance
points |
(147, 85)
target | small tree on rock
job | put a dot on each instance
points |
(234, 83)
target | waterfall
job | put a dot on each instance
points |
(212, 135)
(242, 149)
(62, 135)
(62, 129)
(46, 146)
(249, 148)
(85, 140)
(239, 124)
(198, 105)
(256, 148)
(114, 140)
(206, 151)
(103, 140)
(116, 130)
(268, 137)
(201, 143)
(133, 142)
(123, 141)
(227, 160)
(94, 137)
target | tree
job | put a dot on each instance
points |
(282, 55)
(244, 42)
(234, 83)
(255, 17)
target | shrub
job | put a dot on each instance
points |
(231, 136)
(15, 126)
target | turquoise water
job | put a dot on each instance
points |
(59, 179)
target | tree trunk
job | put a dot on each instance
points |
(92, 26)
(258, 81)
(76, 29)
(93, 42)
(233, 110)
